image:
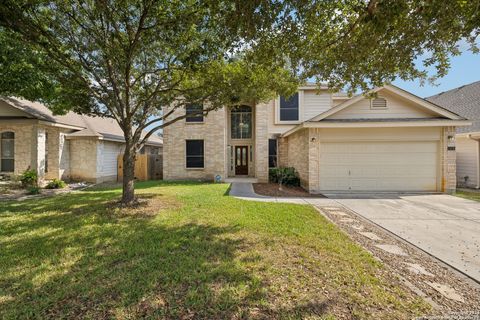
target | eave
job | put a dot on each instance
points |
(379, 124)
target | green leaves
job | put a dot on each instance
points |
(21, 69)
(361, 44)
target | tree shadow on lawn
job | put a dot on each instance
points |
(69, 265)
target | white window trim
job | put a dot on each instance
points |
(300, 110)
(379, 108)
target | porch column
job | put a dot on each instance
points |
(38, 151)
(282, 152)
(449, 168)
(261, 142)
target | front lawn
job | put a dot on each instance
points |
(203, 254)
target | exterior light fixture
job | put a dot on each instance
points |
(451, 143)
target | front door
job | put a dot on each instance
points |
(241, 160)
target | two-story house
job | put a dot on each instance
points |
(394, 141)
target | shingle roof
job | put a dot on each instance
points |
(465, 101)
(88, 126)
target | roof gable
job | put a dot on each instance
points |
(404, 106)
(8, 111)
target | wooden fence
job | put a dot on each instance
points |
(147, 167)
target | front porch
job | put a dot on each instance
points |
(26, 144)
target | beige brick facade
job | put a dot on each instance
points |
(297, 146)
(261, 142)
(22, 145)
(448, 160)
(212, 130)
(58, 154)
(313, 160)
(83, 159)
(282, 152)
(49, 148)
(301, 149)
(30, 148)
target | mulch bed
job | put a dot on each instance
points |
(469, 290)
(272, 190)
(14, 191)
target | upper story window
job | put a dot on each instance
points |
(193, 112)
(289, 108)
(7, 151)
(378, 103)
(241, 122)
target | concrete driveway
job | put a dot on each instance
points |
(446, 227)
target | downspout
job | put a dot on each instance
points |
(477, 157)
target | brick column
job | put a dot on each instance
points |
(53, 144)
(38, 151)
(282, 152)
(449, 167)
(261, 142)
(313, 160)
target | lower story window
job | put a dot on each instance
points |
(7, 151)
(194, 154)
(272, 153)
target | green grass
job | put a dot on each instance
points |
(471, 195)
(204, 255)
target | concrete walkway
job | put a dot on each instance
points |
(244, 190)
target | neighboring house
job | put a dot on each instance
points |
(465, 101)
(70, 146)
(395, 142)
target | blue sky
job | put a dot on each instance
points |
(464, 69)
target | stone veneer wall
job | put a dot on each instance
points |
(212, 131)
(448, 161)
(261, 142)
(83, 159)
(298, 155)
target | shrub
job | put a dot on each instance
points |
(29, 178)
(56, 184)
(286, 176)
(33, 190)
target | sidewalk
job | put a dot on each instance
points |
(244, 191)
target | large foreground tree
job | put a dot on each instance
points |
(126, 59)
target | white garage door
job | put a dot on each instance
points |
(378, 166)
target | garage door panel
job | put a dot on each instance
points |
(336, 183)
(376, 166)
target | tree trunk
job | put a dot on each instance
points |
(128, 193)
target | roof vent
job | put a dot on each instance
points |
(379, 103)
